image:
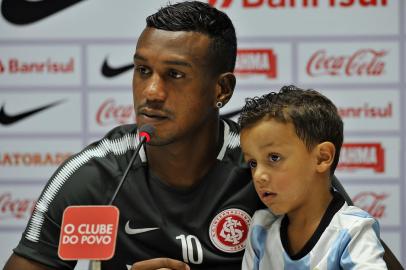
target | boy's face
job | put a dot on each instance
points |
(283, 169)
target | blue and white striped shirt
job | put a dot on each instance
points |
(348, 239)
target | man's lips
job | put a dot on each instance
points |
(153, 114)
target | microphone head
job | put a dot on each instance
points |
(146, 131)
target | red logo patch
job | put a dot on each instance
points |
(229, 230)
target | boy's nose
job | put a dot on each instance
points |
(260, 176)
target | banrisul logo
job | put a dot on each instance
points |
(220, 3)
(278, 4)
(22, 12)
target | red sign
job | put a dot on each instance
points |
(88, 232)
(361, 156)
(256, 61)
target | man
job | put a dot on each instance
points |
(187, 185)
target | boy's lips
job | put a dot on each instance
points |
(267, 195)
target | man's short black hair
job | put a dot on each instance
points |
(313, 115)
(195, 16)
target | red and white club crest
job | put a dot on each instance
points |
(229, 229)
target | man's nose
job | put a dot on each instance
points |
(155, 89)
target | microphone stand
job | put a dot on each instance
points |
(145, 132)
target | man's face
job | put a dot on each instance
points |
(172, 88)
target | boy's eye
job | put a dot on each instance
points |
(274, 158)
(252, 163)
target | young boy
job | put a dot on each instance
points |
(291, 140)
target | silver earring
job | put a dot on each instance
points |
(219, 104)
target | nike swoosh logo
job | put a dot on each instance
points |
(129, 230)
(7, 119)
(22, 12)
(110, 72)
(231, 114)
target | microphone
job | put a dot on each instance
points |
(90, 231)
(145, 133)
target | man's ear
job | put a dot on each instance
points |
(325, 156)
(225, 87)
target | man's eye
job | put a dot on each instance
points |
(142, 70)
(274, 158)
(175, 74)
(252, 164)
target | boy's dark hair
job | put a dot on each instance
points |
(313, 115)
(195, 16)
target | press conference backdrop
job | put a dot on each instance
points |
(67, 63)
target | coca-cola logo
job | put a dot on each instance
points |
(17, 208)
(363, 62)
(111, 113)
(373, 203)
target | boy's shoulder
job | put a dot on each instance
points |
(352, 217)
